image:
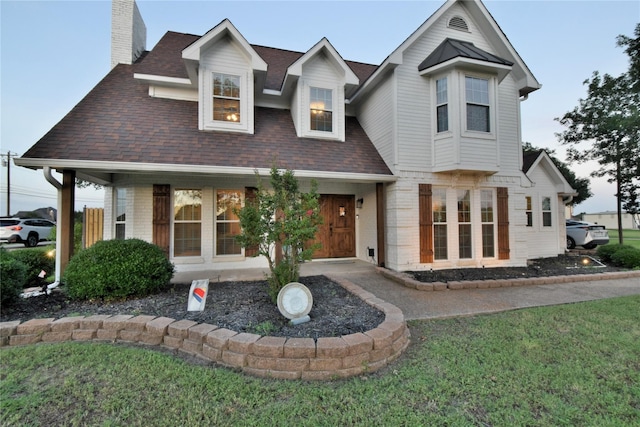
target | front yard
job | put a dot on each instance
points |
(564, 365)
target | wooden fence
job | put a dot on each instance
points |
(92, 226)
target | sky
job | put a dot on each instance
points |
(54, 52)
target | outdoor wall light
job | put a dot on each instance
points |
(359, 203)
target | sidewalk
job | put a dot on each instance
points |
(447, 303)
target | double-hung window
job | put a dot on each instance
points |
(442, 105)
(121, 212)
(477, 101)
(226, 97)
(465, 239)
(529, 211)
(546, 212)
(227, 222)
(439, 210)
(187, 222)
(321, 109)
(488, 224)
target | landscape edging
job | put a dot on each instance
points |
(409, 282)
(263, 356)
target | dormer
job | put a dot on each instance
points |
(318, 81)
(225, 69)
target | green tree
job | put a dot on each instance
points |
(581, 185)
(280, 223)
(605, 127)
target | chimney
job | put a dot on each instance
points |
(128, 32)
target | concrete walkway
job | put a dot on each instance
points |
(448, 303)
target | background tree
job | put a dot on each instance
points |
(581, 185)
(280, 223)
(605, 127)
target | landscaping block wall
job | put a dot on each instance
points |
(263, 356)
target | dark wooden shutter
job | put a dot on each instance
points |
(162, 216)
(250, 197)
(503, 223)
(426, 223)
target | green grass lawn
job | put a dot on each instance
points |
(630, 237)
(575, 364)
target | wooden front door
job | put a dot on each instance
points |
(337, 234)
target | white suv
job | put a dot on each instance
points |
(25, 230)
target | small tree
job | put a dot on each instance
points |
(280, 224)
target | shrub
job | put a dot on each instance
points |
(35, 260)
(605, 252)
(14, 275)
(628, 257)
(113, 269)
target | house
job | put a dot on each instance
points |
(418, 159)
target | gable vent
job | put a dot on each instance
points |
(458, 23)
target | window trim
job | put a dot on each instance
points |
(174, 222)
(544, 211)
(245, 99)
(116, 206)
(493, 107)
(528, 208)
(439, 223)
(240, 191)
(335, 111)
(493, 222)
(439, 104)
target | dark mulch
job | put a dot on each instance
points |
(562, 265)
(239, 306)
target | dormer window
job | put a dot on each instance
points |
(226, 97)
(321, 109)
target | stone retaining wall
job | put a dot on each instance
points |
(263, 356)
(408, 281)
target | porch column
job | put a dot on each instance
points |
(66, 217)
(380, 209)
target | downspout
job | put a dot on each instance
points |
(58, 185)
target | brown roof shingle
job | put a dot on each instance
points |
(118, 121)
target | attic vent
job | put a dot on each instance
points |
(458, 23)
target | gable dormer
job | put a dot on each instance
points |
(225, 68)
(319, 80)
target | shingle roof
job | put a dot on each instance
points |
(166, 60)
(529, 158)
(452, 48)
(118, 121)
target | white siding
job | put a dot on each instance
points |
(376, 116)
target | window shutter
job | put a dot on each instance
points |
(162, 216)
(503, 223)
(250, 197)
(426, 223)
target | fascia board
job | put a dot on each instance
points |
(164, 80)
(101, 167)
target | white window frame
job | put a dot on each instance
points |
(544, 211)
(175, 222)
(335, 110)
(206, 81)
(119, 203)
(493, 221)
(493, 108)
(440, 220)
(217, 221)
(440, 103)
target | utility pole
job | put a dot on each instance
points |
(7, 163)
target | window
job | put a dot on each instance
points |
(477, 96)
(442, 106)
(488, 225)
(321, 106)
(529, 211)
(464, 224)
(187, 222)
(439, 209)
(226, 97)
(227, 222)
(121, 212)
(546, 211)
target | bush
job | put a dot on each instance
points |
(35, 260)
(113, 269)
(628, 257)
(14, 276)
(606, 252)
